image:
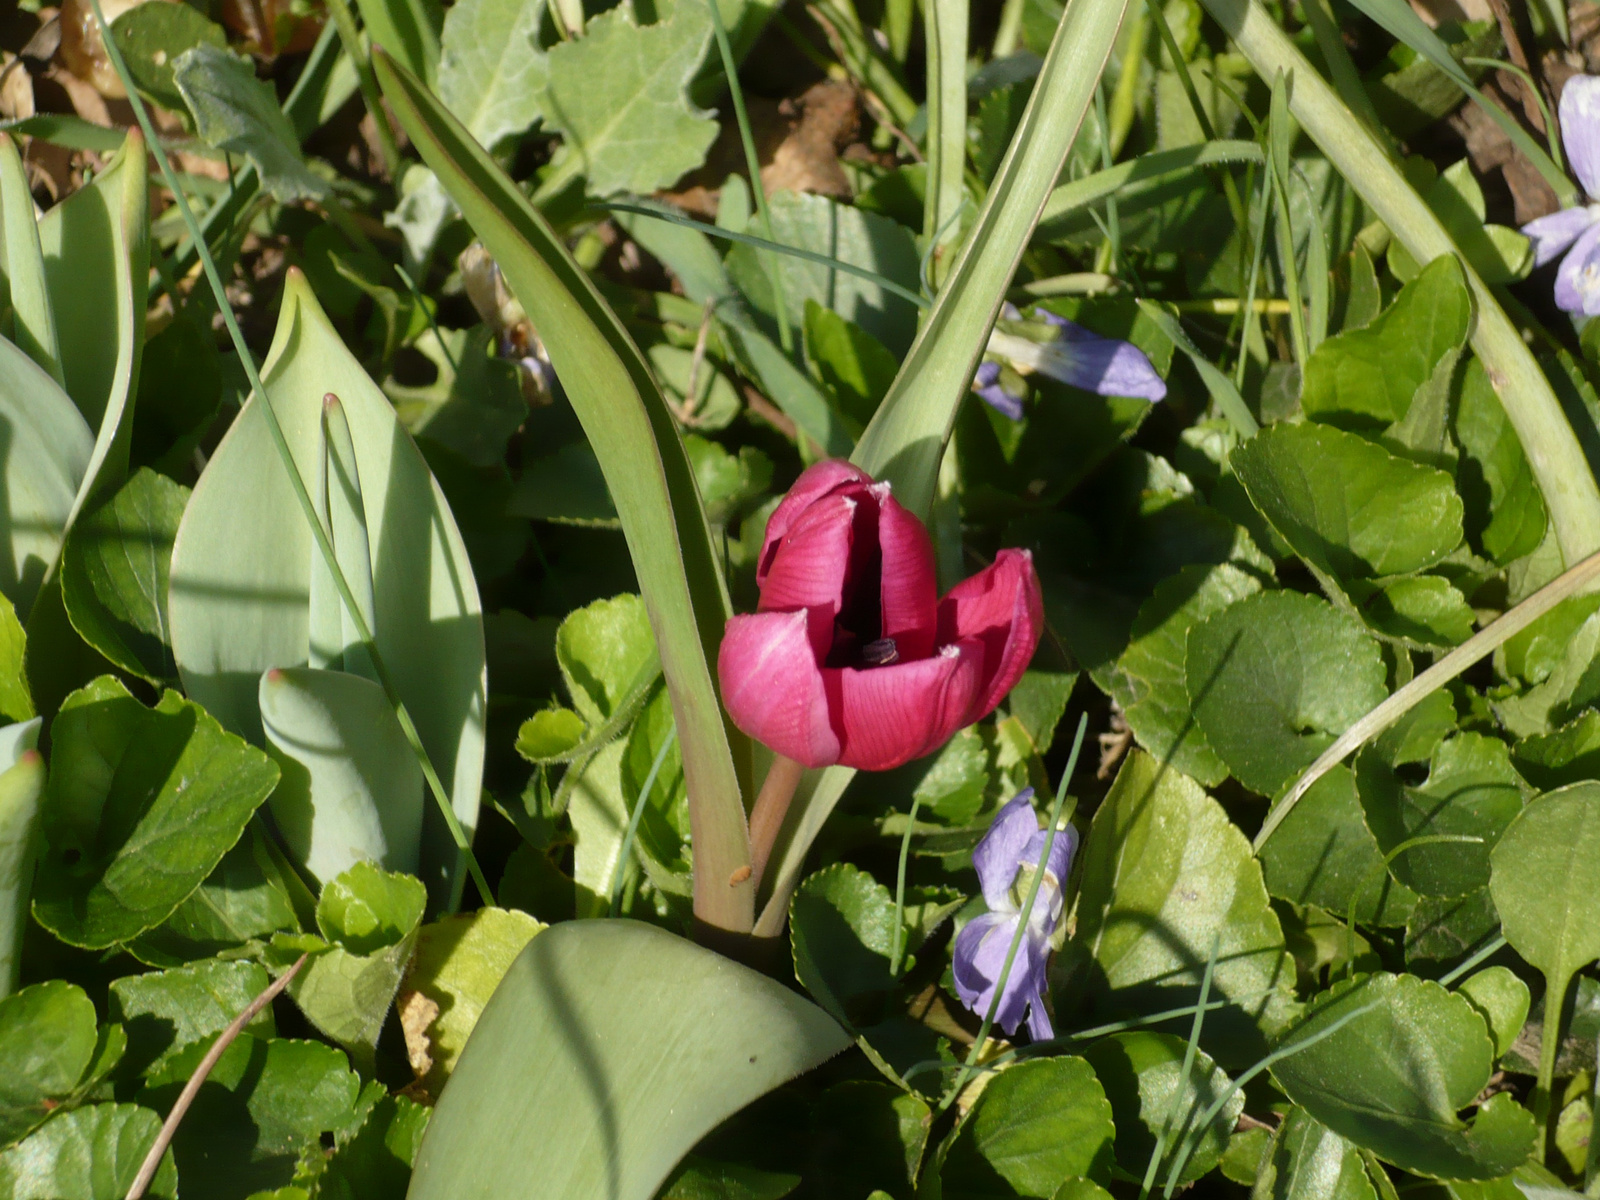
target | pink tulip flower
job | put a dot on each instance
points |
(851, 657)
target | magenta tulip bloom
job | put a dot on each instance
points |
(851, 657)
(1005, 860)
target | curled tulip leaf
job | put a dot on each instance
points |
(47, 453)
(96, 247)
(33, 323)
(241, 579)
(351, 787)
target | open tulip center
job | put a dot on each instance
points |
(858, 635)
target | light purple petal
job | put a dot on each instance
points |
(1554, 233)
(987, 387)
(1061, 851)
(1578, 280)
(974, 987)
(1580, 129)
(1039, 1020)
(1109, 366)
(1001, 851)
(979, 957)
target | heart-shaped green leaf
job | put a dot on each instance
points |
(143, 803)
(1275, 678)
(1393, 1078)
(1164, 873)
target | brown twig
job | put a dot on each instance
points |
(152, 1160)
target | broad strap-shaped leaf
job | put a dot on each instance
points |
(609, 1049)
(352, 789)
(905, 442)
(33, 323)
(408, 29)
(241, 567)
(46, 457)
(647, 472)
(96, 247)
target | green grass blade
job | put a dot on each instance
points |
(1558, 462)
(1092, 189)
(906, 438)
(663, 212)
(646, 470)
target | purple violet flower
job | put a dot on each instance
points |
(1075, 356)
(1578, 280)
(1005, 861)
(990, 390)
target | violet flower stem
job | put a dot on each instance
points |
(1022, 921)
(771, 806)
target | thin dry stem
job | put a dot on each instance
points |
(152, 1160)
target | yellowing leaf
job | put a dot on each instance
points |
(459, 962)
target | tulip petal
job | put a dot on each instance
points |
(1554, 233)
(910, 586)
(1001, 607)
(773, 688)
(889, 715)
(1580, 129)
(1578, 279)
(811, 566)
(1003, 849)
(814, 483)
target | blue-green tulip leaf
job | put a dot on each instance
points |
(609, 1049)
(242, 564)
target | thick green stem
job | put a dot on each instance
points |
(1530, 403)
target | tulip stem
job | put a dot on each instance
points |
(771, 806)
